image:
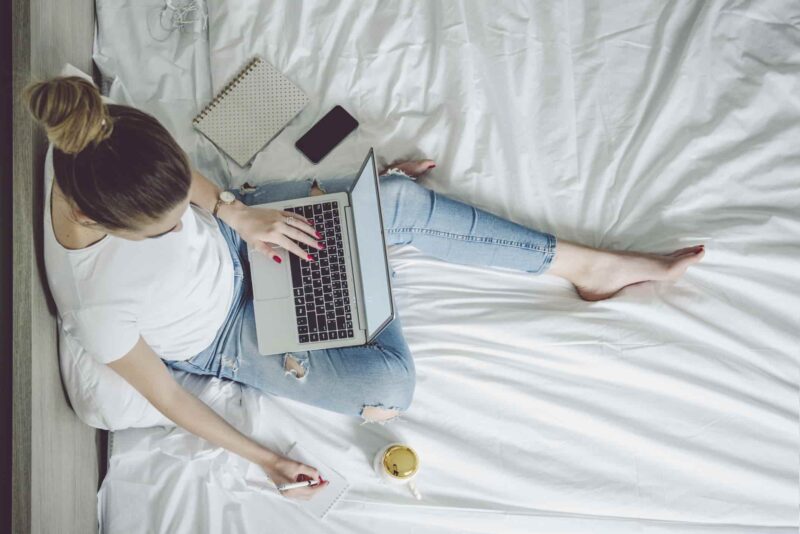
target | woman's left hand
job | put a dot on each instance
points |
(262, 228)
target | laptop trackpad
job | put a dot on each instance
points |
(270, 279)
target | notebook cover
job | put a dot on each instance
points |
(250, 111)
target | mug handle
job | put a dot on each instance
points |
(414, 491)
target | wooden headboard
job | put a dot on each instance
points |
(58, 461)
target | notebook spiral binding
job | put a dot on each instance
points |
(225, 90)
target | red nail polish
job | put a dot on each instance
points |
(432, 166)
(319, 235)
(277, 259)
(310, 257)
(321, 245)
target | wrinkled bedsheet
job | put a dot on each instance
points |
(646, 125)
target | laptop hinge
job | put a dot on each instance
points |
(355, 269)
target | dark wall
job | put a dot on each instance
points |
(5, 266)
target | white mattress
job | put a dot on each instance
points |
(672, 408)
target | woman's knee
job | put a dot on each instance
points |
(332, 184)
(376, 414)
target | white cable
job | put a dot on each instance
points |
(182, 16)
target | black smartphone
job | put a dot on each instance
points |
(328, 132)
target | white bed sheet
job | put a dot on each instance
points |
(672, 408)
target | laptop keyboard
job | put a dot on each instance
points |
(321, 295)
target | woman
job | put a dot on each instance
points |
(145, 277)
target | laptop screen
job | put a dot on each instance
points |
(378, 306)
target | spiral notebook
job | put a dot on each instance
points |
(250, 111)
(322, 502)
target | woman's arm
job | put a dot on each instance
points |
(145, 371)
(259, 227)
(204, 193)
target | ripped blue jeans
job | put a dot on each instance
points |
(381, 373)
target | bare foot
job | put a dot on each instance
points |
(413, 168)
(610, 271)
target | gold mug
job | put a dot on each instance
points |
(397, 463)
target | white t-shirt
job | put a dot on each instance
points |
(174, 291)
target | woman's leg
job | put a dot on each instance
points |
(375, 381)
(460, 233)
(457, 232)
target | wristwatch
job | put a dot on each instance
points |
(225, 197)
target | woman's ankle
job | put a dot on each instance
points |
(574, 262)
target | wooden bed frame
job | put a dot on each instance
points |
(57, 461)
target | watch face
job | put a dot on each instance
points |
(227, 197)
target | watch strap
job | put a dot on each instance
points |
(216, 206)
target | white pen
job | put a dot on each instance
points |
(295, 485)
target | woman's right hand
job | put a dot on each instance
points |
(285, 471)
(263, 228)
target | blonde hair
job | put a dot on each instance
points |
(71, 110)
(117, 164)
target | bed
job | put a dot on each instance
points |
(672, 408)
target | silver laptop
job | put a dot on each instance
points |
(345, 297)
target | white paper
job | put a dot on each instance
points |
(323, 501)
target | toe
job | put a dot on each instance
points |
(682, 263)
(427, 164)
(415, 168)
(688, 250)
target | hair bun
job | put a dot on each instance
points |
(71, 110)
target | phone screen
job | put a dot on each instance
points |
(328, 132)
